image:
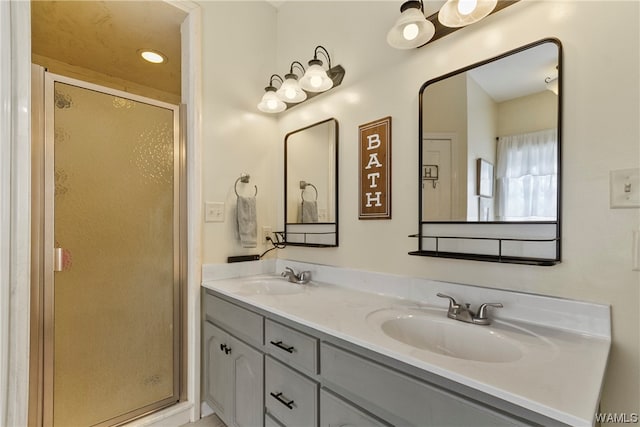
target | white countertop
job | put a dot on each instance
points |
(561, 379)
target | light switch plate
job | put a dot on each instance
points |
(625, 188)
(214, 212)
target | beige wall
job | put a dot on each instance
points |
(481, 140)
(542, 114)
(600, 134)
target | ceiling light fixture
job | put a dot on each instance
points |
(460, 13)
(270, 102)
(552, 84)
(315, 80)
(152, 56)
(412, 29)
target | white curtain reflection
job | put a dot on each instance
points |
(527, 176)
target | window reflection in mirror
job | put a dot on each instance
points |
(503, 115)
(311, 185)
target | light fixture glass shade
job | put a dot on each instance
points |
(315, 79)
(270, 102)
(412, 29)
(290, 91)
(459, 13)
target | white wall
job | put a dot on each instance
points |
(239, 55)
(601, 110)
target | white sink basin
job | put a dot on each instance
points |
(430, 329)
(270, 285)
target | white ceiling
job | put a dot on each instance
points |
(518, 75)
(104, 36)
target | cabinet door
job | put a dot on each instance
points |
(247, 380)
(216, 370)
(335, 412)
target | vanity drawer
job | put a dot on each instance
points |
(395, 396)
(235, 319)
(335, 412)
(289, 396)
(292, 347)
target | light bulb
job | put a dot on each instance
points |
(272, 104)
(290, 93)
(152, 56)
(410, 31)
(315, 81)
(465, 7)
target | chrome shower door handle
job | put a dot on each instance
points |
(58, 259)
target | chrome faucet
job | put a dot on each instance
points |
(303, 278)
(464, 314)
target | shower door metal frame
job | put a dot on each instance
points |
(45, 247)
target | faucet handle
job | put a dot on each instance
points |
(453, 305)
(482, 310)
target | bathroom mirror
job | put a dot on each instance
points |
(311, 185)
(490, 159)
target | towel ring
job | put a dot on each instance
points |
(244, 178)
(303, 186)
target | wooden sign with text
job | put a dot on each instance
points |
(375, 169)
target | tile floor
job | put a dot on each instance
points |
(208, 421)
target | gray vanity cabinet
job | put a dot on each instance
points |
(335, 412)
(233, 380)
(262, 370)
(233, 370)
(400, 398)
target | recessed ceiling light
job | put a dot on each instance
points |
(152, 56)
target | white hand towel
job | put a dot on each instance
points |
(247, 221)
(309, 211)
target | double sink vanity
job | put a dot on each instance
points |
(294, 344)
(359, 348)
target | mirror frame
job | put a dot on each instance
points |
(464, 238)
(321, 227)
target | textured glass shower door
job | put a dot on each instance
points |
(112, 344)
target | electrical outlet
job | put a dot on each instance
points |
(266, 232)
(214, 212)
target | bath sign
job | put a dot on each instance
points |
(375, 169)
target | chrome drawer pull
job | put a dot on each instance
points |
(283, 346)
(281, 399)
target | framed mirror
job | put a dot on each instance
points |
(311, 185)
(490, 159)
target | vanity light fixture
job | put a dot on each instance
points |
(270, 102)
(290, 90)
(412, 29)
(460, 13)
(152, 56)
(315, 80)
